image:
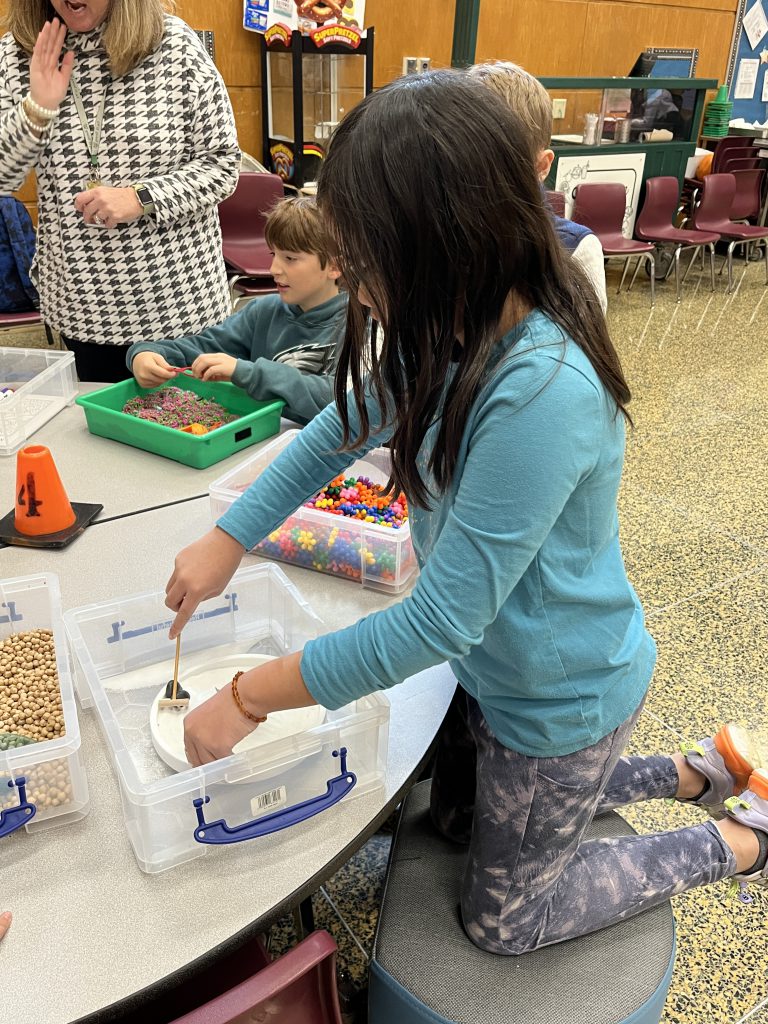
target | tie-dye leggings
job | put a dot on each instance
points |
(530, 879)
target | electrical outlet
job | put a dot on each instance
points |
(416, 65)
(558, 109)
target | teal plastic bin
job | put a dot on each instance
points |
(257, 420)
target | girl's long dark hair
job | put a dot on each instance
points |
(432, 199)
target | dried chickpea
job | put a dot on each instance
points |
(30, 698)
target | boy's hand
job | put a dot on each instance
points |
(201, 570)
(150, 369)
(214, 366)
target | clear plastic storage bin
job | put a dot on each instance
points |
(42, 784)
(376, 556)
(42, 381)
(174, 817)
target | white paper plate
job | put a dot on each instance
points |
(167, 724)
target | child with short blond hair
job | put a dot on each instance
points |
(279, 346)
(527, 97)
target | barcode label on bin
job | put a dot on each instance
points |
(269, 801)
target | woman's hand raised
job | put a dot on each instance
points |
(49, 72)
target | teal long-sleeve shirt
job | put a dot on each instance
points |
(254, 336)
(522, 585)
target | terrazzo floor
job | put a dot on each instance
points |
(694, 523)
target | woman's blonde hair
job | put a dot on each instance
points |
(132, 31)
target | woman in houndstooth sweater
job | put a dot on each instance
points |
(129, 128)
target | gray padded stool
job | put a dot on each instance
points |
(424, 968)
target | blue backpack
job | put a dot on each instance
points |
(17, 250)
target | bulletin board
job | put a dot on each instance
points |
(747, 77)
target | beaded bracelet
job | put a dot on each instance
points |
(38, 129)
(45, 113)
(241, 706)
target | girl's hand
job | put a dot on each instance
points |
(150, 369)
(49, 72)
(109, 206)
(214, 728)
(200, 571)
(5, 923)
(214, 366)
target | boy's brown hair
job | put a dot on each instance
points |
(523, 94)
(296, 225)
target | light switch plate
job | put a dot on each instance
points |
(558, 109)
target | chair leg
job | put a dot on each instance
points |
(711, 262)
(623, 276)
(729, 260)
(692, 261)
(652, 261)
(634, 276)
(49, 334)
(232, 293)
(677, 269)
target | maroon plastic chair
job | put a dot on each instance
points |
(30, 319)
(713, 214)
(20, 319)
(242, 217)
(655, 224)
(731, 147)
(739, 163)
(602, 207)
(556, 201)
(298, 988)
(245, 288)
(748, 196)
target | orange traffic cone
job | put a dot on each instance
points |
(42, 505)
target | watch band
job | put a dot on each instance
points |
(145, 197)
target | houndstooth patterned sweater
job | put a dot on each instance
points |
(167, 123)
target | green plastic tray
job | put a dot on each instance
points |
(104, 415)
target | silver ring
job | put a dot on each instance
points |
(97, 219)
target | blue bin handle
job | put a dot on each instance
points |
(218, 833)
(13, 818)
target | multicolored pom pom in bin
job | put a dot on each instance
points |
(330, 547)
(353, 528)
(360, 498)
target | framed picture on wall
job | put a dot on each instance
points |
(673, 63)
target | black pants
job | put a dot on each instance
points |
(101, 363)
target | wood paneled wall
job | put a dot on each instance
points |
(603, 37)
(548, 37)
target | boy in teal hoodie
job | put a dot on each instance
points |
(279, 346)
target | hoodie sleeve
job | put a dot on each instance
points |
(306, 465)
(233, 336)
(305, 394)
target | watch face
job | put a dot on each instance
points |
(145, 196)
